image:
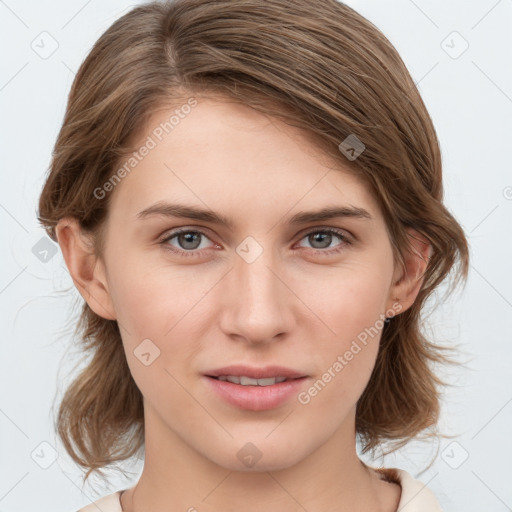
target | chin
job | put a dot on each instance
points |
(273, 463)
(259, 455)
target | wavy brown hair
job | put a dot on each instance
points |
(319, 66)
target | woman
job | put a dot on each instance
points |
(248, 196)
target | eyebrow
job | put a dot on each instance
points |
(192, 212)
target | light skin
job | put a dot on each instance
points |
(299, 304)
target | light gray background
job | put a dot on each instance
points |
(469, 95)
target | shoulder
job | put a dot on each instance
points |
(110, 503)
(415, 495)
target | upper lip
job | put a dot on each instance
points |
(256, 373)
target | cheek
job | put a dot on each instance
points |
(354, 312)
(150, 297)
(154, 309)
(351, 301)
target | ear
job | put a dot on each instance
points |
(407, 280)
(86, 269)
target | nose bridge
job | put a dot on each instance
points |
(256, 302)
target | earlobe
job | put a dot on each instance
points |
(407, 285)
(85, 268)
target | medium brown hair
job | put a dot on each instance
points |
(319, 66)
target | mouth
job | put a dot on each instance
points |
(256, 389)
(244, 380)
(253, 376)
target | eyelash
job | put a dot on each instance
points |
(195, 252)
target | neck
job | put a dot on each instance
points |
(332, 478)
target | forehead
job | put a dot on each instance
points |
(221, 154)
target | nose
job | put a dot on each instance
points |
(257, 304)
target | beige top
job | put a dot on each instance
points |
(415, 497)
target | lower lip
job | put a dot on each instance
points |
(256, 398)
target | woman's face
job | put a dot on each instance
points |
(268, 289)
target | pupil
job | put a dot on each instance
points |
(188, 238)
(327, 238)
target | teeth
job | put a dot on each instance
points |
(248, 381)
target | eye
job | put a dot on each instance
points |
(322, 239)
(188, 242)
